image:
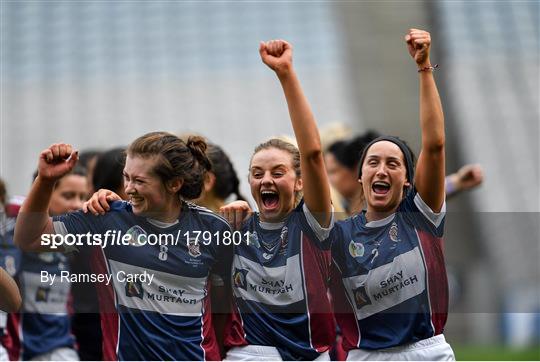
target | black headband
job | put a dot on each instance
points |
(407, 154)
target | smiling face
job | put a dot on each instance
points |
(384, 176)
(69, 194)
(146, 191)
(274, 183)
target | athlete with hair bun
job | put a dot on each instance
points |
(393, 301)
(156, 306)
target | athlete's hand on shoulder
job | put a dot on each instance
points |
(418, 43)
(277, 54)
(236, 213)
(98, 204)
(56, 161)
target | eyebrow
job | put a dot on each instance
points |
(273, 168)
(124, 173)
(390, 158)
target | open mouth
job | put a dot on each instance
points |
(270, 199)
(380, 187)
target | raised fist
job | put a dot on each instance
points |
(56, 161)
(276, 54)
(418, 44)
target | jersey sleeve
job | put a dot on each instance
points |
(420, 214)
(320, 235)
(223, 251)
(341, 237)
(81, 226)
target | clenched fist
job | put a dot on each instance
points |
(56, 161)
(418, 44)
(277, 54)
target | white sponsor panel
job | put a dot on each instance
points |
(388, 285)
(275, 286)
(167, 293)
(43, 296)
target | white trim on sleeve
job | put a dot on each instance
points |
(321, 233)
(434, 217)
(60, 228)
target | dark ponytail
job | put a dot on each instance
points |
(227, 181)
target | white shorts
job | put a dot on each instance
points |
(431, 349)
(58, 354)
(261, 353)
(3, 354)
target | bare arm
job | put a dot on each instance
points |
(430, 170)
(277, 55)
(33, 219)
(10, 300)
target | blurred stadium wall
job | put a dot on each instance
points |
(99, 74)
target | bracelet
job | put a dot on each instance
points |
(425, 69)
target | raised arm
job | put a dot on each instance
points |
(11, 298)
(430, 169)
(277, 54)
(33, 219)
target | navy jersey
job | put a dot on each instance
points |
(44, 322)
(394, 288)
(280, 281)
(157, 305)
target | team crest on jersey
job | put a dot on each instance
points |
(356, 249)
(239, 278)
(393, 233)
(253, 239)
(194, 248)
(361, 297)
(134, 289)
(42, 294)
(137, 236)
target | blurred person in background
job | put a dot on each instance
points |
(86, 325)
(44, 323)
(220, 182)
(10, 301)
(341, 160)
(10, 259)
(11, 298)
(87, 160)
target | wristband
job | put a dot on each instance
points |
(425, 69)
(449, 186)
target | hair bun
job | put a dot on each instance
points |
(197, 145)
